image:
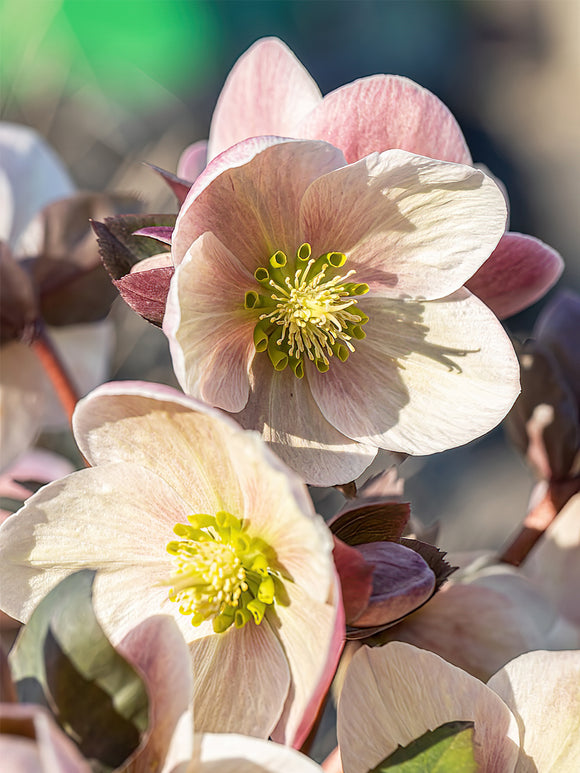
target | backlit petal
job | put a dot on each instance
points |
(229, 753)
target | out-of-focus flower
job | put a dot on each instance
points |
(526, 719)
(51, 274)
(268, 91)
(188, 515)
(327, 308)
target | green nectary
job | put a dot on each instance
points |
(306, 309)
(221, 573)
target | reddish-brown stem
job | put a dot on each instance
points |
(538, 519)
(56, 371)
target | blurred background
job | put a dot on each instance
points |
(113, 83)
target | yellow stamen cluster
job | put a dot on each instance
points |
(307, 310)
(221, 573)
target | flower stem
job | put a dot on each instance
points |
(56, 371)
(538, 519)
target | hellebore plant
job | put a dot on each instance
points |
(269, 91)
(186, 514)
(323, 303)
(527, 718)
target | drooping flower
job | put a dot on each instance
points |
(186, 514)
(268, 91)
(323, 303)
(526, 718)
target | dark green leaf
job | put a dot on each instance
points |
(448, 749)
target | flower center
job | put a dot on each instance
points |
(306, 310)
(220, 572)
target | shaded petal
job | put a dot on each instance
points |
(241, 680)
(266, 92)
(209, 330)
(22, 400)
(543, 691)
(33, 176)
(355, 579)
(229, 753)
(554, 562)
(158, 651)
(181, 440)
(519, 272)
(383, 112)
(253, 208)
(282, 408)
(193, 160)
(117, 518)
(410, 226)
(312, 637)
(436, 375)
(394, 694)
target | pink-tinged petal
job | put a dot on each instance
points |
(162, 233)
(543, 691)
(32, 742)
(410, 226)
(36, 466)
(33, 177)
(117, 517)
(181, 440)
(209, 330)
(312, 637)
(161, 260)
(282, 408)
(519, 272)
(402, 581)
(145, 290)
(396, 693)
(179, 187)
(436, 375)
(261, 198)
(192, 161)
(267, 91)
(382, 112)
(156, 648)
(356, 579)
(241, 679)
(22, 400)
(554, 562)
(229, 753)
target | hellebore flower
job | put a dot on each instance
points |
(268, 91)
(323, 303)
(186, 514)
(527, 718)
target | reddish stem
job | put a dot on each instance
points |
(538, 519)
(56, 371)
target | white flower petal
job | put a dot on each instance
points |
(229, 753)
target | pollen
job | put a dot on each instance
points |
(220, 572)
(307, 310)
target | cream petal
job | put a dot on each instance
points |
(210, 332)
(543, 691)
(395, 693)
(266, 91)
(519, 272)
(312, 637)
(383, 112)
(241, 680)
(181, 440)
(282, 408)
(158, 651)
(554, 562)
(192, 161)
(436, 375)
(411, 227)
(253, 208)
(22, 400)
(117, 518)
(229, 753)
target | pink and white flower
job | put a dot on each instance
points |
(324, 302)
(184, 513)
(268, 91)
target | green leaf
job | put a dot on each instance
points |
(63, 660)
(448, 749)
